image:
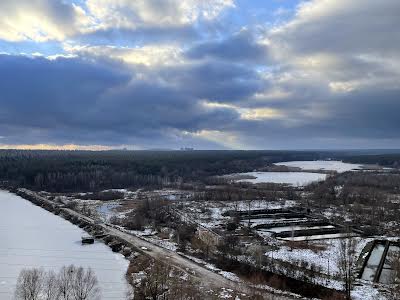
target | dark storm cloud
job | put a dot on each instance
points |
(215, 80)
(42, 92)
(77, 100)
(238, 47)
(368, 116)
(367, 113)
(140, 35)
(147, 76)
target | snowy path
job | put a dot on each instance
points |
(204, 275)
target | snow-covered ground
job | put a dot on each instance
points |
(105, 210)
(210, 214)
(324, 254)
(292, 178)
(366, 292)
(326, 165)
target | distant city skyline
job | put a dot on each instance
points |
(202, 74)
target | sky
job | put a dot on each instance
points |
(207, 74)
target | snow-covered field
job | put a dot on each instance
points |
(292, 178)
(210, 214)
(324, 254)
(326, 165)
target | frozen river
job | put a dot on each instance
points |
(32, 237)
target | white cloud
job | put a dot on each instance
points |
(38, 20)
(336, 46)
(149, 55)
(260, 114)
(44, 20)
(131, 14)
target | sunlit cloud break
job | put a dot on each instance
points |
(207, 74)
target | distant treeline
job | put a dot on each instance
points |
(71, 171)
(63, 171)
(389, 160)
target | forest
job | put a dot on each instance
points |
(72, 171)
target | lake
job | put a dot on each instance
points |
(33, 237)
(326, 165)
(292, 178)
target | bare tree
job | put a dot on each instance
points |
(50, 286)
(156, 280)
(84, 284)
(65, 279)
(29, 284)
(151, 279)
(184, 288)
(71, 283)
(346, 262)
(249, 206)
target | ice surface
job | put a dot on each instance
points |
(292, 178)
(32, 237)
(373, 262)
(387, 271)
(297, 227)
(331, 165)
(315, 237)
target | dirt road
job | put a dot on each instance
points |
(205, 276)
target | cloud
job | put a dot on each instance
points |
(74, 100)
(130, 14)
(197, 73)
(47, 20)
(38, 20)
(139, 35)
(217, 81)
(149, 55)
(241, 46)
(333, 26)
